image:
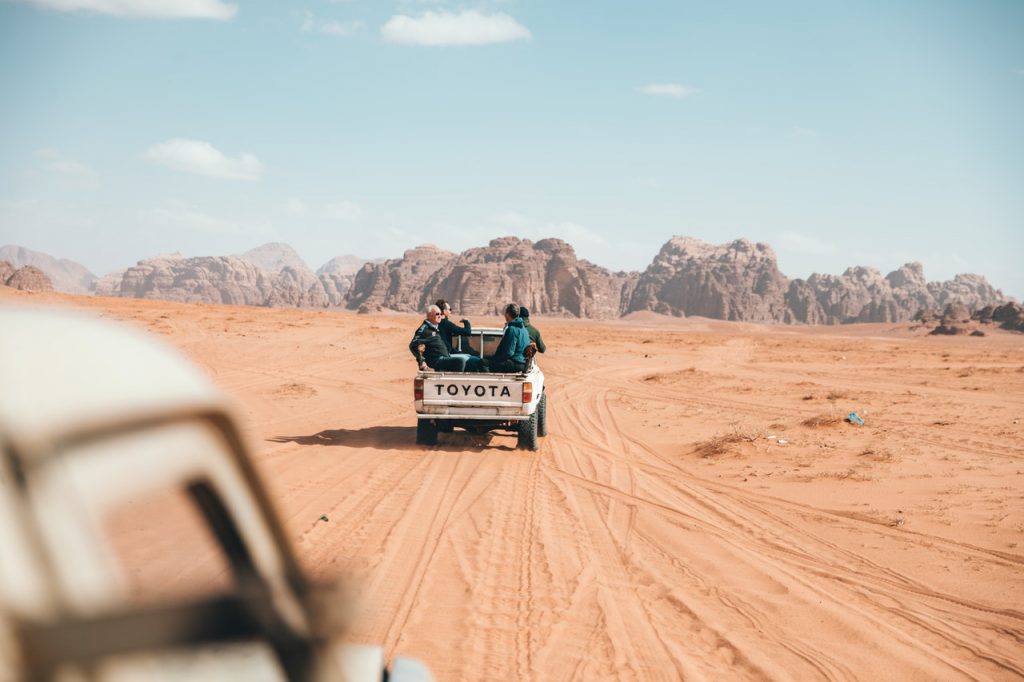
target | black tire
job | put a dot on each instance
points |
(542, 415)
(528, 433)
(445, 426)
(426, 432)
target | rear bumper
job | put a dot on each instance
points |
(489, 416)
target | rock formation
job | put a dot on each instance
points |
(735, 281)
(6, 270)
(207, 279)
(223, 279)
(862, 295)
(66, 275)
(26, 278)
(109, 284)
(398, 283)
(546, 276)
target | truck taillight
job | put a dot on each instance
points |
(417, 389)
(527, 392)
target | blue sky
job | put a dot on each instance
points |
(841, 133)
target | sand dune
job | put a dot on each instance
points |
(700, 510)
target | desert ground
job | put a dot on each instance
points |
(699, 510)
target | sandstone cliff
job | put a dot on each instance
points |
(546, 276)
(207, 279)
(223, 279)
(735, 281)
(862, 295)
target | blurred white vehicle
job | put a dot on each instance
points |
(106, 437)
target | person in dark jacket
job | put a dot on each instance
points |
(449, 329)
(531, 330)
(508, 357)
(435, 353)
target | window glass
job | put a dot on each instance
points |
(164, 549)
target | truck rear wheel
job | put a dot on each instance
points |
(542, 415)
(528, 433)
(426, 432)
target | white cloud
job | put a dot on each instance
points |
(673, 90)
(344, 29)
(202, 158)
(345, 211)
(145, 9)
(54, 162)
(800, 243)
(444, 28)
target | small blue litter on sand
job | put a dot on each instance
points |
(854, 418)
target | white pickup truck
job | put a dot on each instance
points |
(481, 402)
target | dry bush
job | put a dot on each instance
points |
(719, 445)
(877, 455)
(835, 395)
(820, 420)
(722, 444)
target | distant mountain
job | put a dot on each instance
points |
(275, 257)
(66, 275)
(346, 265)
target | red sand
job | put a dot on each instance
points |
(699, 509)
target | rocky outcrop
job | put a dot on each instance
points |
(66, 275)
(6, 270)
(223, 279)
(973, 291)
(398, 283)
(109, 284)
(735, 281)
(858, 295)
(26, 278)
(546, 276)
(207, 279)
(294, 288)
(1009, 316)
(862, 295)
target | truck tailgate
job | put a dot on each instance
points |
(472, 390)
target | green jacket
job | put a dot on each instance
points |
(534, 335)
